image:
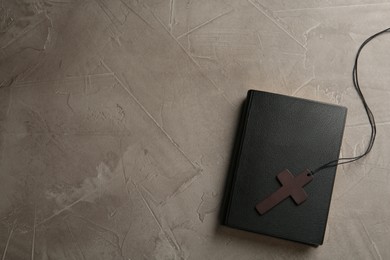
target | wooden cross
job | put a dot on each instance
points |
(291, 186)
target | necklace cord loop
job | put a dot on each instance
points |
(369, 113)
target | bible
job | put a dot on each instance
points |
(271, 190)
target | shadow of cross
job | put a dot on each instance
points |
(291, 186)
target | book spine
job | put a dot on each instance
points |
(236, 155)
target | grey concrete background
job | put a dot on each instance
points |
(117, 120)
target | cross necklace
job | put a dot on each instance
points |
(292, 186)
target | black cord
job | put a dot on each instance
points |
(370, 116)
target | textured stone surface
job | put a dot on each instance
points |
(117, 119)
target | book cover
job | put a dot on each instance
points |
(278, 133)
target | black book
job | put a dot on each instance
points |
(280, 133)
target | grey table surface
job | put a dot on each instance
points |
(117, 121)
